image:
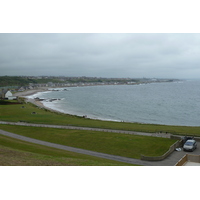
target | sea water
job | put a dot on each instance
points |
(172, 103)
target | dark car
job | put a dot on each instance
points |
(190, 145)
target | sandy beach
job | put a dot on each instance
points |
(33, 101)
(29, 92)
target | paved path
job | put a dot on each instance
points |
(77, 150)
(164, 135)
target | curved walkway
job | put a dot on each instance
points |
(164, 135)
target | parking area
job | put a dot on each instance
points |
(196, 151)
(172, 159)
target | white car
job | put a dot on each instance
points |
(190, 145)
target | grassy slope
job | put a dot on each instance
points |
(19, 153)
(16, 113)
(112, 143)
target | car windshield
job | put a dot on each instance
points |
(189, 143)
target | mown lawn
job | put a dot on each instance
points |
(19, 153)
(16, 113)
(111, 143)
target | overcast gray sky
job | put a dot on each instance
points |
(101, 55)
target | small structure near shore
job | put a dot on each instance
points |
(38, 99)
(6, 94)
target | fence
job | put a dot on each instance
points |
(178, 137)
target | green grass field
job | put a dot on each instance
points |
(19, 153)
(111, 143)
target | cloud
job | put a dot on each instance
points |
(105, 55)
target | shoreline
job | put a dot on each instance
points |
(28, 93)
(40, 104)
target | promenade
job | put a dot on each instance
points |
(163, 135)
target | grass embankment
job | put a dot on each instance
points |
(16, 113)
(111, 143)
(19, 153)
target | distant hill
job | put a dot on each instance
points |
(24, 81)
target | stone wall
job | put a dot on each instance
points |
(157, 158)
(188, 158)
(182, 161)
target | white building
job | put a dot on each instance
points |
(8, 95)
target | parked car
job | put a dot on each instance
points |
(185, 138)
(190, 145)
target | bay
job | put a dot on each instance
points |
(173, 103)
